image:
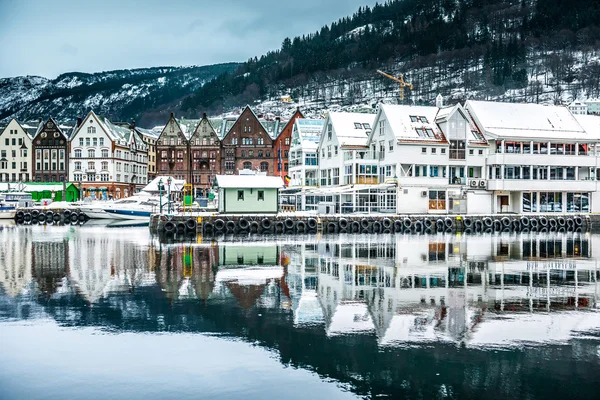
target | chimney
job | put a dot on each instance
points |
(204, 116)
(172, 115)
(439, 101)
(133, 124)
(79, 121)
(278, 118)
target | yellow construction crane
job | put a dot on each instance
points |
(403, 84)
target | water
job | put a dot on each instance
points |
(102, 312)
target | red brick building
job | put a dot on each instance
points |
(281, 146)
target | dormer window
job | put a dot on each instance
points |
(366, 126)
(430, 133)
(424, 120)
(413, 118)
(357, 125)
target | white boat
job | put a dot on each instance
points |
(7, 212)
(138, 207)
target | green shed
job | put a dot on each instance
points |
(252, 194)
(52, 191)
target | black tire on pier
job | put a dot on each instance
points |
(312, 223)
(190, 225)
(468, 231)
(20, 214)
(418, 227)
(570, 229)
(505, 221)
(209, 228)
(243, 224)
(506, 229)
(428, 231)
(544, 229)
(56, 217)
(74, 217)
(488, 222)
(254, 227)
(289, 224)
(387, 223)
(355, 227)
(427, 223)
(543, 222)
(468, 222)
(578, 229)
(220, 225)
(516, 225)
(578, 221)
(332, 227)
(561, 221)
(552, 222)
(406, 231)
(407, 222)
(230, 226)
(343, 223)
(449, 222)
(449, 230)
(67, 214)
(377, 227)
(82, 217)
(181, 227)
(533, 222)
(279, 227)
(553, 229)
(40, 218)
(478, 225)
(365, 223)
(497, 226)
(570, 223)
(27, 217)
(439, 225)
(524, 221)
(300, 226)
(398, 226)
(169, 227)
(266, 224)
(35, 213)
(534, 229)
(387, 231)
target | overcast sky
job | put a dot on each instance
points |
(49, 37)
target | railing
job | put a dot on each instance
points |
(311, 182)
(456, 180)
(367, 180)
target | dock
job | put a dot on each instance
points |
(217, 224)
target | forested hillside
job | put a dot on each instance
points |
(523, 50)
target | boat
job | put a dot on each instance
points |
(7, 212)
(138, 207)
(10, 201)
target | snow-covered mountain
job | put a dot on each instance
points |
(145, 95)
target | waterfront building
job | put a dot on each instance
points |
(304, 160)
(107, 160)
(205, 149)
(50, 149)
(593, 106)
(15, 151)
(281, 148)
(248, 193)
(435, 155)
(172, 148)
(248, 144)
(540, 159)
(149, 137)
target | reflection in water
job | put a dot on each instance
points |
(380, 313)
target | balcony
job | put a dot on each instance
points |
(311, 182)
(457, 180)
(541, 159)
(364, 155)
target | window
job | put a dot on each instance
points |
(578, 202)
(101, 141)
(77, 153)
(262, 141)
(247, 165)
(230, 165)
(104, 153)
(78, 166)
(423, 150)
(480, 152)
(287, 141)
(433, 151)
(95, 141)
(87, 141)
(443, 151)
(366, 126)
(329, 130)
(91, 154)
(335, 150)
(437, 200)
(240, 195)
(264, 166)
(357, 125)
(261, 195)
(457, 149)
(91, 129)
(471, 151)
(391, 145)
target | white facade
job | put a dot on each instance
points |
(106, 160)
(593, 106)
(15, 153)
(578, 108)
(304, 160)
(541, 159)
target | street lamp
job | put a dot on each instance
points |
(169, 180)
(160, 182)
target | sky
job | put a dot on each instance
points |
(50, 37)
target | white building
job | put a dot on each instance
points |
(15, 153)
(541, 158)
(106, 160)
(433, 154)
(593, 106)
(304, 160)
(578, 107)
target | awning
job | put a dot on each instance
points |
(90, 188)
(103, 188)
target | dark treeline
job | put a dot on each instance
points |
(501, 33)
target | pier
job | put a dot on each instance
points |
(217, 224)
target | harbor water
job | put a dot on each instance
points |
(111, 311)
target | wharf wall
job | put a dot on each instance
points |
(217, 224)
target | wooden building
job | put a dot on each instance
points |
(281, 147)
(50, 153)
(205, 149)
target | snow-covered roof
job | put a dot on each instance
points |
(249, 181)
(176, 184)
(414, 123)
(188, 126)
(591, 124)
(117, 133)
(148, 132)
(525, 121)
(352, 129)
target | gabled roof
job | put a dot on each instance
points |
(28, 129)
(248, 181)
(57, 126)
(413, 123)
(147, 132)
(525, 121)
(32, 127)
(346, 129)
(308, 132)
(187, 126)
(476, 136)
(285, 124)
